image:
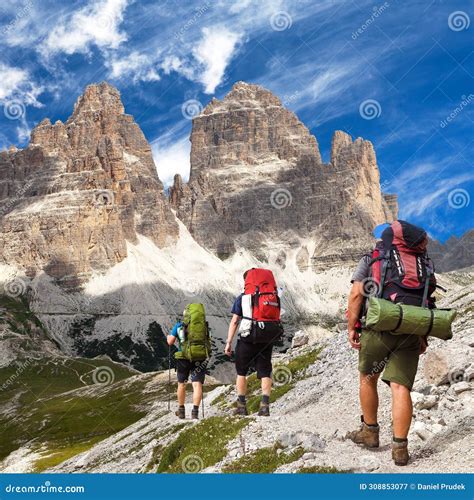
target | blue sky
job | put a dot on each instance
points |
(400, 74)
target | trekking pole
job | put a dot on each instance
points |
(169, 377)
(202, 402)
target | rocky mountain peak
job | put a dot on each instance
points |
(257, 174)
(80, 191)
(97, 98)
(243, 95)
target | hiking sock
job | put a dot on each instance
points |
(195, 408)
(399, 440)
(241, 399)
(368, 425)
(266, 399)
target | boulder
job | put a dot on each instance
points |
(300, 339)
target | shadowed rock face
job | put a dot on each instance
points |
(456, 253)
(257, 176)
(79, 191)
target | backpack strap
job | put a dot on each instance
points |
(383, 274)
(424, 302)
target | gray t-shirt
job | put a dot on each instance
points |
(363, 269)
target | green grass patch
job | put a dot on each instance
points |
(61, 454)
(318, 469)
(53, 411)
(296, 367)
(264, 460)
(203, 443)
(303, 361)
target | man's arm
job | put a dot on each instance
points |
(171, 338)
(233, 325)
(356, 300)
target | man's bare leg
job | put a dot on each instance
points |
(369, 398)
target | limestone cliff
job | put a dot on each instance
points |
(79, 191)
(257, 179)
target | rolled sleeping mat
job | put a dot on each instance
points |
(385, 316)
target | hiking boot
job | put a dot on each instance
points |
(241, 409)
(264, 410)
(180, 413)
(367, 435)
(195, 414)
(400, 453)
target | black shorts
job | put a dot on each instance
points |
(197, 370)
(249, 355)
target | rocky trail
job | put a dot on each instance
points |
(316, 404)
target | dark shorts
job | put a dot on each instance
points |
(197, 370)
(395, 355)
(258, 356)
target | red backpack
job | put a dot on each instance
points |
(266, 307)
(401, 270)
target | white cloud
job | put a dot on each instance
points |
(214, 52)
(139, 67)
(23, 131)
(17, 84)
(172, 157)
(95, 24)
(422, 198)
(12, 79)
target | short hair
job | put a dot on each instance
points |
(245, 274)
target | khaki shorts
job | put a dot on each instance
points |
(395, 355)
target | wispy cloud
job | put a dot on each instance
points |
(138, 67)
(98, 23)
(213, 52)
(17, 83)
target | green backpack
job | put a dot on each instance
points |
(197, 343)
